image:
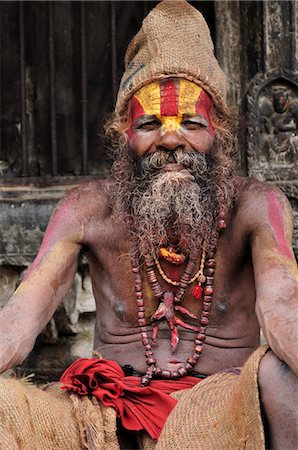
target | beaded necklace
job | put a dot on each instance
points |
(170, 302)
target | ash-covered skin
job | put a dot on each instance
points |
(253, 277)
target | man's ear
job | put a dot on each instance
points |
(126, 134)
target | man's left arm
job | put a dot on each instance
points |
(275, 273)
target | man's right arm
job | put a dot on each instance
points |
(44, 285)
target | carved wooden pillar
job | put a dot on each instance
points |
(257, 48)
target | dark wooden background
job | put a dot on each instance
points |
(103, 71)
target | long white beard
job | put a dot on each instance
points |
(173, 200)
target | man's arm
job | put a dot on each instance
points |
(44, 285)
(275, 272)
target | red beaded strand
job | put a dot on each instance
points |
(153, 370)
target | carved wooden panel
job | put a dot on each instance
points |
(273, 122)
(257, 47)
(272, 140)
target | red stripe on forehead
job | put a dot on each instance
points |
(204, 105)
(136, 109)
(169, 99)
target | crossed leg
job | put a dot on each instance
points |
(279, 395)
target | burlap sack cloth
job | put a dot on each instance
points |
(174, 41)
(221, 412)
(33, 419)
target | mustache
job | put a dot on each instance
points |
(197, 164)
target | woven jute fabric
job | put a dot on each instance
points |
(31, 418)
(221, 412)
(174, 40)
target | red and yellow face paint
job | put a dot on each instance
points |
(170, 101)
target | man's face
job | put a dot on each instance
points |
(174, 114)
(170, 175)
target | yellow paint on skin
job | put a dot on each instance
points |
(188, 96)
(171, 122)
(49, 263)
(278, 259)
(149, 98)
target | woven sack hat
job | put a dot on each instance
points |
(174, 41)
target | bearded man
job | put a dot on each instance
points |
(187, 262)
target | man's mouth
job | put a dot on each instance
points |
(172, 167)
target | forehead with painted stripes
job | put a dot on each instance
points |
(171, 101)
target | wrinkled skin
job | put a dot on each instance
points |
(255, 282)
(254, 285)
(250, 279)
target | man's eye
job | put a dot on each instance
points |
(191, 125)
(148, 126)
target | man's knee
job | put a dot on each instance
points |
(279, 401)
(274, 374)
(278, 388)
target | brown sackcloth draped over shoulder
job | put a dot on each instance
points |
(220, 413)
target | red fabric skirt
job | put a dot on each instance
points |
(138, 407)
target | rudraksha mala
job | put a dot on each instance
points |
(153, 370)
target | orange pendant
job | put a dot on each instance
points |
(168, 254)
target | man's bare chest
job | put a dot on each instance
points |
(111, 269)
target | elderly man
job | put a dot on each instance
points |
(187, 262)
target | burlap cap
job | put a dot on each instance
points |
(174, 40)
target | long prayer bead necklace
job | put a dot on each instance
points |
(153, 370)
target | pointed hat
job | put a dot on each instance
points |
(174, 41)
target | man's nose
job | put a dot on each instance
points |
(170, 140)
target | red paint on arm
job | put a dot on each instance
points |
(275, 214)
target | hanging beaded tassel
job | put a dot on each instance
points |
(153, 370)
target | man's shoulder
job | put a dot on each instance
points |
(256, 198)
(251, 190)
(87, 199)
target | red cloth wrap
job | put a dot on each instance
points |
(139, 407)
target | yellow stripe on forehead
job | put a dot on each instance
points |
(189, 94)
(149, 98)
(171, 122)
